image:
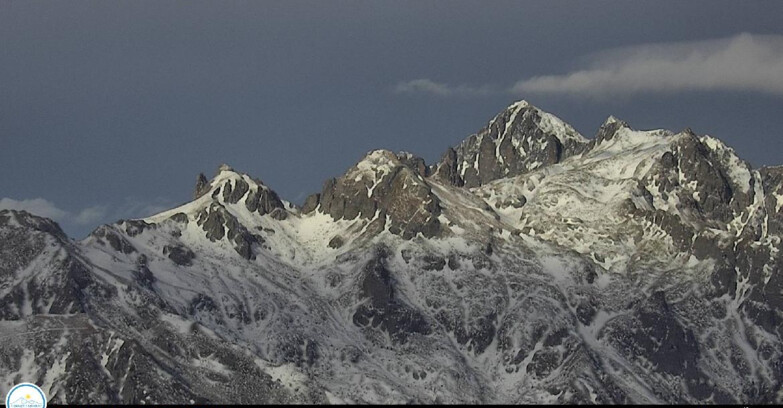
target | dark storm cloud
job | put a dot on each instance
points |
(100, 101)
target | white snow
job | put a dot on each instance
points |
(738, 170)
(563, 131)
(507, 126)
(287, 374)
(778, 201)
(611, 120)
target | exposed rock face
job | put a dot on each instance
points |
(23, 219)
(115, 239)
(716, 195)
(311, 203)
(179, 254)
(383, 186)
(217, 223)
(279, 214)
(519, 139)
(202, 186)
(336, 242)
(383, 309)
(37, 250)
(232, 193)
(414, 163)
(449, 168)
(607, 131)
(263, 201)
(772, 185)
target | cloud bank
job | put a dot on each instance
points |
(741, 63)
(46, 208)
(428, 86)
(744, 62)
(76, 223)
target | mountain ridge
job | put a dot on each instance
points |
(528, 265)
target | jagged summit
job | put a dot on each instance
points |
(227, 175)
(612, 120)
(386, 187)
(519, 139)
(382, 160)
(202, 186)
(24, 219)
(521, 104)
(377, 160)
(219, 208)
(389, 187)
(547, 121)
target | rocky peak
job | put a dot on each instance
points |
(24, 220)
(697, 177)
(202, 186)
(608, 129)
(415, 163)
(381, 161)
(234, 187)
(523, 103)
(722, 183)
(519, 139)
(772, 184)
(383, 186)
(218, 209)
(225, 167)
(612, 119)
(39, 275)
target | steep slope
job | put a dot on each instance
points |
(530, 265)
(92, 335)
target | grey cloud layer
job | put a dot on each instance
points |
(46, 208)
(741, 63)
(90, 215)
(744, 62)
(440, 89)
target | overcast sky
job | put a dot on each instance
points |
(109, 110)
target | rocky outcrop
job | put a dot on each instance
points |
(382, 186)
(448, 168)
(263, 201)
(233, 192)
(772, 185)
(519, 139)
(311, 203)
(114, 239)
(25, 220)
(217, 222)
(39, 269)
(383, 309)
(202, 186)
(179, 254)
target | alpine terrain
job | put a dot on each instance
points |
(529, 265)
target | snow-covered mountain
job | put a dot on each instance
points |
(529, 265)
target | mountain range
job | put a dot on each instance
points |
(529, 265)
